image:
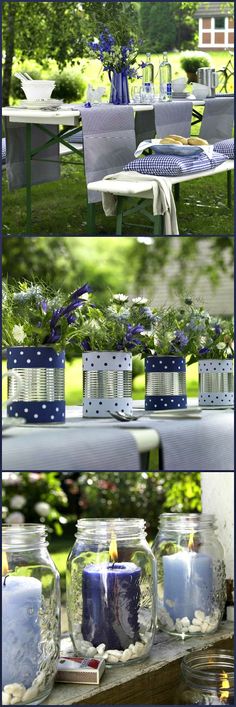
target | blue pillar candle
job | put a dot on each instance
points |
(21, 601)
(188, 584)
(111, 599)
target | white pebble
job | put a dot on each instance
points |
(118, 654)
(101, 648)
(126, 655)
(6, 699)
(197, 622)
(193, 629)
(170, 623)
(91, 651)
(204, 626)
(199, 615)
(139, 648)
(185, 621)
(178, 625)
(105, 655)
(16, 690)
(112, 659)
(31, 693)
(131, 647)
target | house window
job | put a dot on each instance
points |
(219, 22)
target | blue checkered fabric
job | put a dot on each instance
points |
(225, 147)
(3, 150)
(77, 137)
(174, 166)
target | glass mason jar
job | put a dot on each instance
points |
(207, 678)
(31, 615)
(191, 585)
(111, 590)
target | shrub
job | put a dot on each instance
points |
(30, 497)
(69, 86)
(191, 61)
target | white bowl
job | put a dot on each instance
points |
(200, 90)
(179, 84)
(38, 89)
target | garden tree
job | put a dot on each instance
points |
(105, 262)
(168, 25)
(58, 30)
(228, 7)
(40, 496)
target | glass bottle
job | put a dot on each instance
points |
(111, 590)
(31, 615)
(165, 74)
(191, 585)
(207, 678)
(148, 71)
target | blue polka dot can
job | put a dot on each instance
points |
(41, 395)
(165, 383)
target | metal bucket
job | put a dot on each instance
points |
(107, 383)
(41, 397)
(216, 383)
(165, 386)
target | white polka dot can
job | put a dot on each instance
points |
(41, 397)
(165, 383)
(216, 383)
(107, 383)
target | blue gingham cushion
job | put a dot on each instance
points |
(3, 150)
(77, 137)
(171, 165)
(225, 147)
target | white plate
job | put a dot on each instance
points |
(40, 103)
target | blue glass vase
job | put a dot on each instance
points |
(119, 88)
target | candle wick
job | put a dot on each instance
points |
(4, 580)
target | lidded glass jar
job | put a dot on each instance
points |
(207, 678)
(30, 615)
(111, 590)
(191, 585)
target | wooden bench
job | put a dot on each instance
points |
(143, 192)
(152, 682)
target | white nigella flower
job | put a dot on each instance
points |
(220, 346)
(120, 298)
(42, 508)
(15, 518)
(17, 502)
(139, 300)
(18, 333)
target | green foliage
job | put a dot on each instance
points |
(35, 315)
(192, 61)
(138, 494)
(174, 331)
(216, 339)
(116, 325)
(23, 491)
(69, 86)
(168, 25)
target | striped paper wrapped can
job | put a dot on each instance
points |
(165, 387)
(42, 373)
(107, 383)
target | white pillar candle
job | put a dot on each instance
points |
(21, 601)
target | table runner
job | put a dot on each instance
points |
(16, 155)
(63, 449)
(173, 118)
(204, 444)
(109, 141)
(218, 117)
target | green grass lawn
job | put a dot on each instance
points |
(74, 385)
(59, 208)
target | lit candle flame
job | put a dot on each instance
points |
(224, 689)
(191, 541)
(4, 563)
(113, 552)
